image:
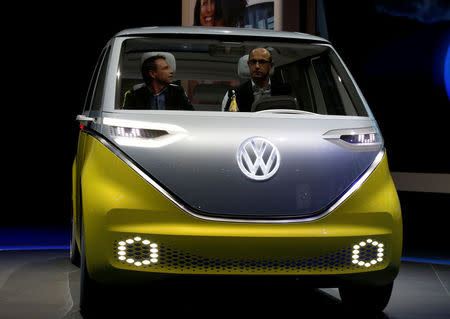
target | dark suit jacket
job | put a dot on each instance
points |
(176, 99)
(245, 97)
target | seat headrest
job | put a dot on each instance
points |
(244, 71)
(169, 58)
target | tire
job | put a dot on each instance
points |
(370, 299)
(75, 257)
(89, 289)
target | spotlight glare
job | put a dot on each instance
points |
(380, 254)
(153, 245)
(367, 264)
(375, 243)
(354, 261)
(138, 263)
(130, 261)
(154, 250)
(380, 250)
(137, 238)
(130, 241)
(369, 240)
(379, 259)
(380, 245)
(122, 258)
(122, 253)
(122, 248)
(356, 252)
(373, 262)
(146, 242)
(356, 247)
(154, 260)
(122, 243)
(361, 263)
(145, 262)
(154, 255)
(362, 244)
(355, 256)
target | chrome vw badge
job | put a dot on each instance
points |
(258, 158)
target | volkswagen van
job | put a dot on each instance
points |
(298, 187)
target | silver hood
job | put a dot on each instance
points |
(198, 158)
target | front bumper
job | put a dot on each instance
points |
(360, 240)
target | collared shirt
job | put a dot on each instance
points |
(158, 101)
(259, 93)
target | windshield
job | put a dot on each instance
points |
(212, 75)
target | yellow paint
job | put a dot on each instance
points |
(118, 204)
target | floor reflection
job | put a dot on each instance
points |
(44, 284)
(210, 298)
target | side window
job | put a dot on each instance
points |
(87, 102)
(296, 75)
(99, 88)
(346, 101)
(345, 83)
(328, 85)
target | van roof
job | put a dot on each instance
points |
(220, 31)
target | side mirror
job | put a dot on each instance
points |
(84, 120)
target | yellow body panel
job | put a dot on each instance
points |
(118, 204)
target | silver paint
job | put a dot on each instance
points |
(191, 212)
(200, 166)
(219, 32)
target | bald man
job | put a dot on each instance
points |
(259, 63)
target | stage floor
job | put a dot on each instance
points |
(44, 284)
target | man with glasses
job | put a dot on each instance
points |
(259, 86)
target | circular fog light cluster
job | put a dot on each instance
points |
(367, 243)
(122, 251)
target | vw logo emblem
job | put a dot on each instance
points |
(258, 158)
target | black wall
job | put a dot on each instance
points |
(398, 62)
(49, 54)
(397, 57)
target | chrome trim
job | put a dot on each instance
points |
(356, 185)
(84, 118)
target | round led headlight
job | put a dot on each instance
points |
(126, 248)
(378, 250)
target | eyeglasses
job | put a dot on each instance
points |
(261, 62)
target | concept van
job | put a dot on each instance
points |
(298, 187)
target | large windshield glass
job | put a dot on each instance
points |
(217, 76)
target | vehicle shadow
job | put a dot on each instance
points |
(206, 298)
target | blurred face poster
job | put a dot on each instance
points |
(257, 14)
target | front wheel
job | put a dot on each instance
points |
(371, 299)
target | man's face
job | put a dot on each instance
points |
(163, 73)
(259, 64)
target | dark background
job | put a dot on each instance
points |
(51, 52)
(396, 52)
(397, 58)
(50, 59)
